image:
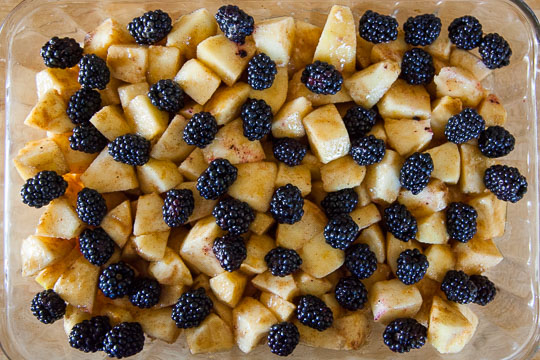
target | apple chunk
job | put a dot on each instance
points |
(38, 252)
(275, 38)
(252, 321)
(213, 335)
(392, 299)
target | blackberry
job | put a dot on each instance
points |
(88, 335)
(486, 290)
(495, 51)
(150, 28)
(216, 179)
(359, 121)
(191, 309)
(178, 207)
(131, 149)
(167, 95)
(289, 150)
(341, 231)
(201, 129)
(230, 250)
(495, 142)
(322, 78)
(404, 334)
(411, 266)
(43, 188)
(458, 287)
(415, 172)
(465, 32)
(339, 202)
(124, 340)
(377, 28)
(145, 293)
(505, 182)
(96, 246)
(417, 67)
(422, 29)
(313, 312)
(93, 72)
(47, 306)
(61, 53)
(287, 205)
(256, 119)
(234, 216)
(87, 138)
(283, 338)
(282, 262)
(461, 221)
(465, 126)
(235, 23)
(83, 105)
(400, 222)
(368, 150)
(350, 293)
(261, 72)
(116, 280)
(360, 261)
(91, 207)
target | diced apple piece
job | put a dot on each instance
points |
(374, 238)
(190, 109)
(378, 131)
(257, 247)
(262, 223)
(152, 246)
(470, 62)
(149, 215)
(354, 327)
(211, 336)
(50, 274)
(459, 83)
(146, 119)
(366, 215)
(64, 81)
(285, 287)
(492, 111)
(288, 121)
(382, 179)
(391, 299)
(282, 309)
(128, 62)
(78, 284)
(76, 161)
(391, 51)
(491, 218)
(170, 270)
(342, 173)
(394, 247)
(118, 223)
(171, 146)
(297, 89)
(177, 237)
(190, 29)
(40, 155)
(129, 252)
(274, 37)
(328, 339)
(473, 166)
(158, 176)
(198, 81)
(110, 122)
(227, 101)
(251, 322)
(163, 63)
(320, 259)
(441, 47)
(404, 101)
(49, 114)
(131, 91)
(432, 229)
(59, 220)
(476, 256)
(363, 52)
(363, 194)
(202, 207)
(306, 38)
(157, 323)
(170, 294)
(108, 33)
(441, 259)
(408, 136)
(433, 198)
(194, 165)
(229, 287)
(313, 164)
(38, 252)
(109, 95)
(446, 162)
(275, 95)
(298, 176)
(307, 284)
(255, 184)
(74, 316)
(383, 272)
(296, 235)
(428, 288)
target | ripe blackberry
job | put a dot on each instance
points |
(417, 67)
(339, 202)
(256, 119)
(178, 207)
(465, 126)
(201, 129)
(495, 142)
(88, 139)
(486, 290)
(47, 306)
(359, 121)
(282, 262)
(341, 231)
(287, 204)
(368, 150)
(505, 182)
(91, 206)
(191, 309)
(495, 51)
(83, 105)
(465, 32)
(461, 221)
(93, 72)
(350, 293)
(283, 338)
(216, 179)
(415, 172)
(234, 216)
(313, 312)
(131, 149)
(261, 72)
(322, 78)
(234, 23)
(458, 287)
(411, 266)
(145, 293)
(124, 340)
(230, 250)
(404, 334)
(422, 29)
(360, 261)
(61, 53)
(377, 28)
(88, 335)
(116, 280)
(96, 246)
(43, 188)
(150, 28)
(289, 150)
(400, 222)
(167, 95)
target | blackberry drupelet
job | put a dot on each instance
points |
(216, 179)
(341, 231)
(339, 202)
(289, 150)
(256, 119)
(93, 72)
(465, 32)
(87, 138)
(88, 335)
(359, 121)
(287, 204)
(145, 293)
(131, 149)
(377, 28)
(465, 126)
(116, 280)
(495, 142)
(404, 334)
(61, 53)
(458, 287)
(230, 250)
(234, 216)
(360, 261)
(313, 312)
(422, 29)
(417, 67)
(191, 309)
(43, 188)
(400, 222)
(96, 246)
(367, 150)
(461, 221)
(283, 338)
(201, 130)
(322, 78)
(91, 207)
(415, 172)
(282, 262)
(167, 95)
(83, 105)
(495, 51)
(150, 28)
(234, 23)
(178, 207)
(350, 293)
(47, 306)
(411, 266)
(261, 72)
(486, 290)
(505, 182)
(124, 340)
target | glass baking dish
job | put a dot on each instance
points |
(508, 327)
